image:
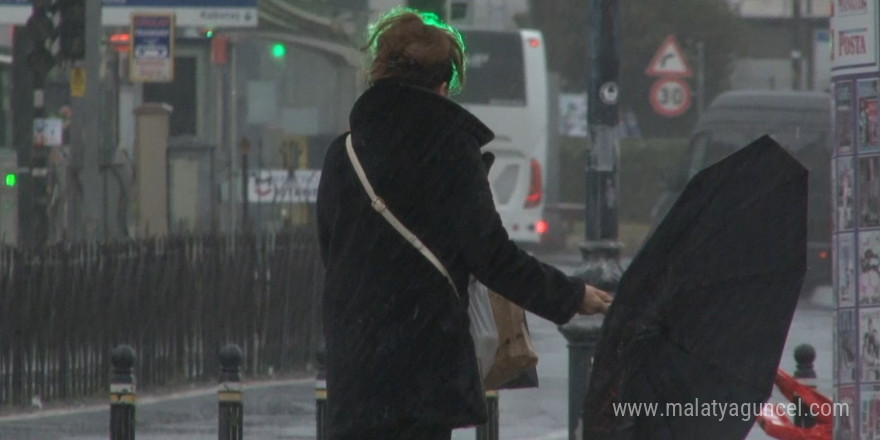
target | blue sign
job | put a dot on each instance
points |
(152, 48)
(202, 13)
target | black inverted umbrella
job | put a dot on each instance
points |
(701, 314)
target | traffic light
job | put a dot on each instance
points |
(42, 32)
(10, 179)
(278, 50)
(71, 29)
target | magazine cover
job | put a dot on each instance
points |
(869, 192)
(846, 276)
(847, 341)
(845, 196)
(870, 412)
(869, 337)
(869, 267)
(868, 132)
(843, 116)
(845, 421)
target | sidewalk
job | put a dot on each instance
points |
(285, 409)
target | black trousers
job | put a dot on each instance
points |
(407, 432)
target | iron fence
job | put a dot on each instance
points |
(176, 300)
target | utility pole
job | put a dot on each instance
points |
(83, 41)
(601, 248)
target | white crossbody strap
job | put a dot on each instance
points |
(380, 207)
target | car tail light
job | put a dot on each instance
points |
(536, 186)
(541, 226)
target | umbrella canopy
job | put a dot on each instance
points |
(701, 314)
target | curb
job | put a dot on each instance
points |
(148, 400)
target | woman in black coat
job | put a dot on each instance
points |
(400, 359)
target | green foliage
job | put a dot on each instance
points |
(644, 24)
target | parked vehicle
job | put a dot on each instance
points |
(507, 89)
(801, 123)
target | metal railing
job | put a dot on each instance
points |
(175, 300)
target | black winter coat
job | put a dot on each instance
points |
(397, 337)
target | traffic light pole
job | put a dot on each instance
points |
(32, 63)
(22, 129)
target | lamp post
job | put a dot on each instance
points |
(601, 248)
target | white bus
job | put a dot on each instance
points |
(506, 87)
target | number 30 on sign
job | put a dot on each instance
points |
(670, 97)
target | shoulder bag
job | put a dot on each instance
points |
(501, 339)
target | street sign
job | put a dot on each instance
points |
(669, 61)
(279, 186)
(48, 132)
(202, 13)
(77, 82)
(670, 97)
(152, 47)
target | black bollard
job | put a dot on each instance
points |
(229, 394)
(320, 395)
(122, 393)
(582, 339)
(804, 357)
(489, 430)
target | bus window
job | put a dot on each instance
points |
(495, 72)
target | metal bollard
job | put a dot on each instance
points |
(320, 396)
(804, 356)
(122, 393)
(230, 394)
(582, 338)
(489, 430)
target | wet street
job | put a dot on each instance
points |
(285, 409)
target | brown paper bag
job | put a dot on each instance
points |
(515, 351)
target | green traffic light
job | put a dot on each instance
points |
(10, 180)
(209, 34)
(278, 50)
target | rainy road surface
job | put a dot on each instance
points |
(285, 410)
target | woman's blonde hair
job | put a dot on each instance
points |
(417, 48)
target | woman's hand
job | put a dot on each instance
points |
(595, 301)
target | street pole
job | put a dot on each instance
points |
(32, 63)
(601, 248)
(85, 180)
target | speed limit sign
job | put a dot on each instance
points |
(670, 97)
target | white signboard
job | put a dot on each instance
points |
(48, 132)
(854, 36)
(278, 186)
(669, 61)
(152, 47)
(573, 115)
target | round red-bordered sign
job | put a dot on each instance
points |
(670, 97)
